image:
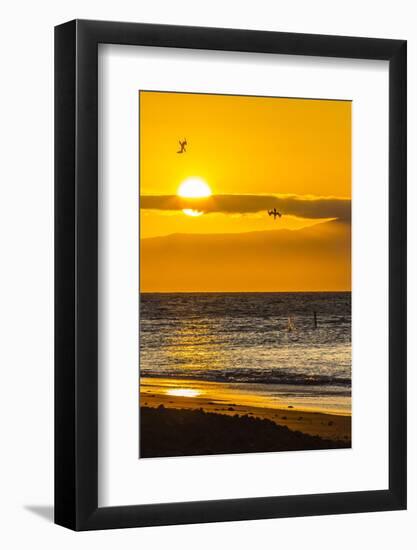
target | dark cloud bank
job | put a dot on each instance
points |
(302, 207)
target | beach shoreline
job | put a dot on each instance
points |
(220, 399)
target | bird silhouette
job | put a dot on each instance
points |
(275, 213)
(183, 144)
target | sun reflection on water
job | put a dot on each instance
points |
(183, 392)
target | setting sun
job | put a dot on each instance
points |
(193, 188)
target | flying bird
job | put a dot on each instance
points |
(275, 213)
(182, 146)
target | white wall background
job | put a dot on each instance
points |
(26, 273)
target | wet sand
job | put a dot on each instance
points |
(196, 396)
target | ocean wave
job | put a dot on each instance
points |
(253, 377)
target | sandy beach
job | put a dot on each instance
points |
(226, 400)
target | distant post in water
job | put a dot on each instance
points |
(315, 319)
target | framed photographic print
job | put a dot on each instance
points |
(230, 275)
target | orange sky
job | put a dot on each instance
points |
(244, 146)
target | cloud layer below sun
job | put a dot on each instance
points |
(292, 205)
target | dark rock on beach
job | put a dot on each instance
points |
(184, 432)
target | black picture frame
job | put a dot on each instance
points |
(76, 272)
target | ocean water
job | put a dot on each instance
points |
(264, 344)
